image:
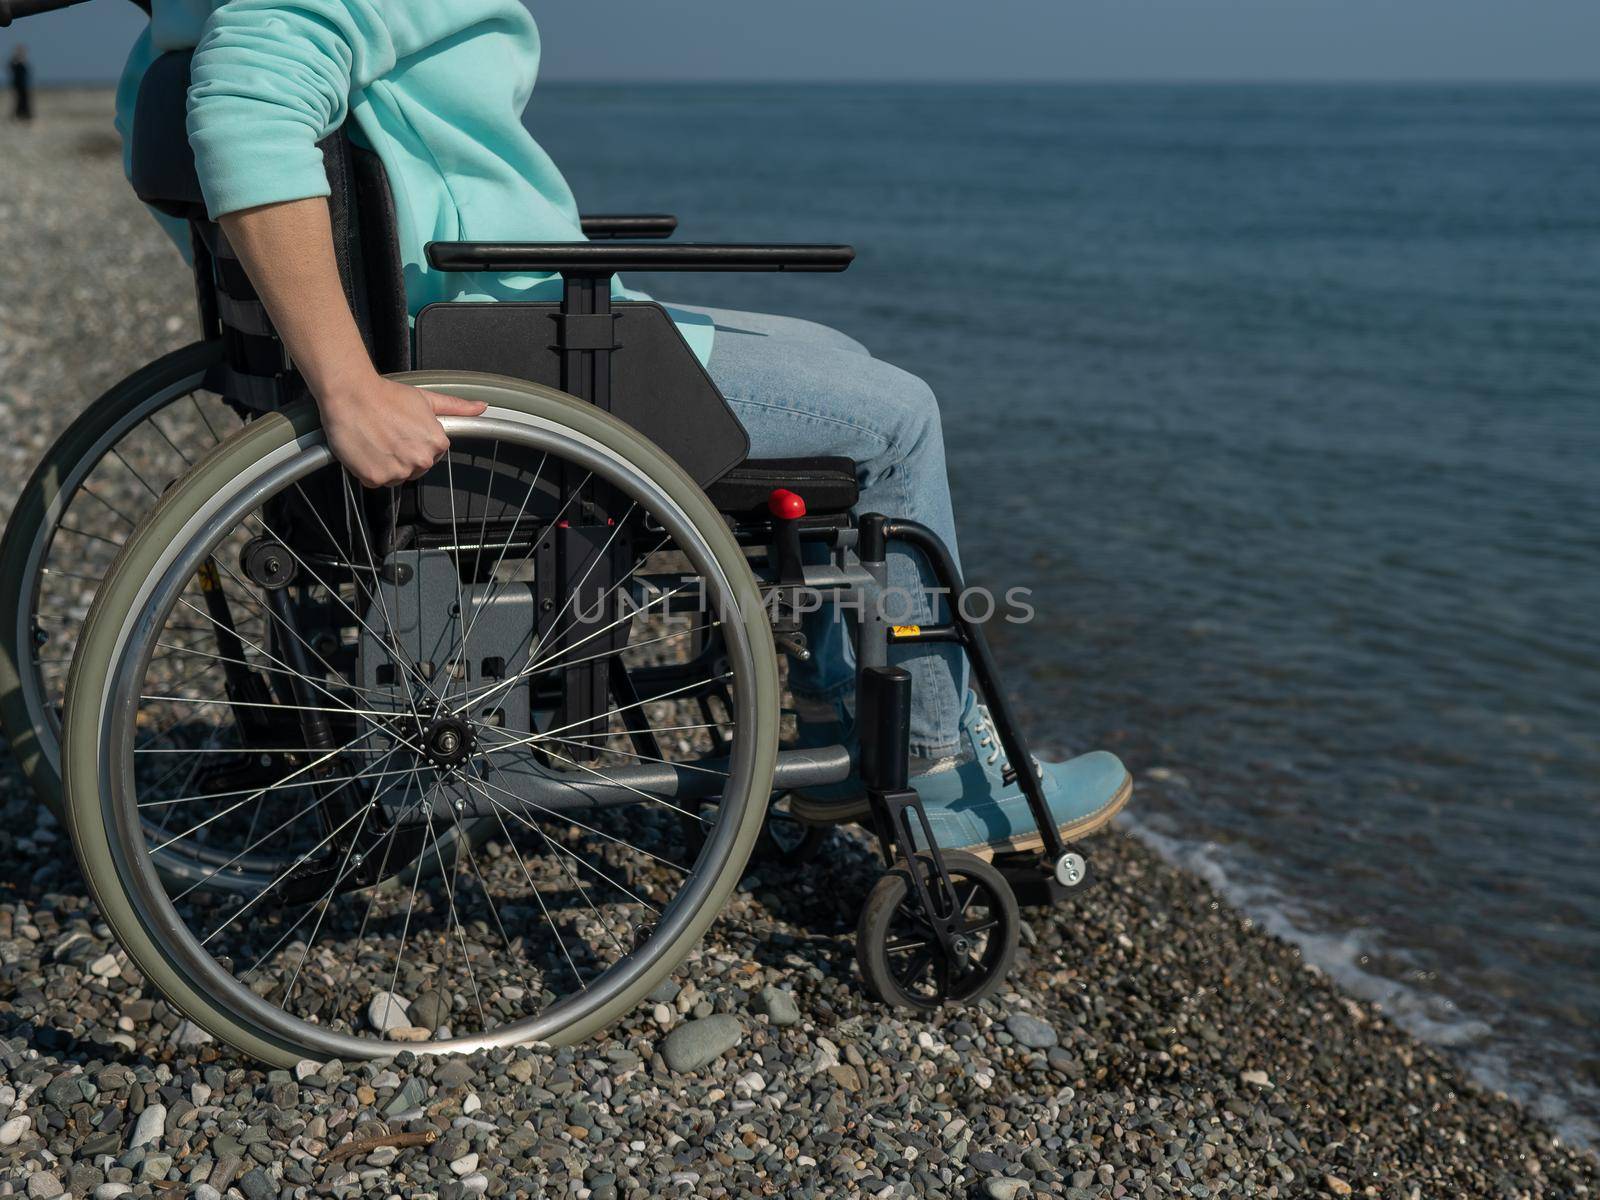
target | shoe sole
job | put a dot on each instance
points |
(1071, 831)
(828, 812)
(843, 813)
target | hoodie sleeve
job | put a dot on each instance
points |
(270, 79)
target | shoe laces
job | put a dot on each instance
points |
(988, 738)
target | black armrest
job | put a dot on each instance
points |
(631, 225)
(583, 259)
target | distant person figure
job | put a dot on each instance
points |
(21, 85)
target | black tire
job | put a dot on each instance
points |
(29, 693)
(901, 963)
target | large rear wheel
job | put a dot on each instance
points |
(420, 675)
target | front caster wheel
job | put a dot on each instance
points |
(902, 961)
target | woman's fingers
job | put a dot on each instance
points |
(388, 433)
(454, 406)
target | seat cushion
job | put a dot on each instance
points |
(828, 485)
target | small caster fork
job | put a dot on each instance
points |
(939, 926)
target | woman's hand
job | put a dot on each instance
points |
(386, 433)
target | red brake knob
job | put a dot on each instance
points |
(786, 505)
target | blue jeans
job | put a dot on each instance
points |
(803, 389)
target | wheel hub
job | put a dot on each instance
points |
(447, 742)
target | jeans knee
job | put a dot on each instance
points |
(915, 410)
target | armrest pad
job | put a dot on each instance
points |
(598, 260)
(630, 225)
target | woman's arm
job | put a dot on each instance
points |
(269, 80)
(384, 432)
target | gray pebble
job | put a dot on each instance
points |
(64, 1091)
(256, 1185)
(149, 1127)
(778, 1005)
(664, 992)
(692, 1045)
(429, 1010)
(387, 1010)
(410, 1095)
(1031, 1031)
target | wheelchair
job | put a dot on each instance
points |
(477, 760)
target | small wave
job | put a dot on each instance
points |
(1342, 955)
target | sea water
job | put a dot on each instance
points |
(1286, 403)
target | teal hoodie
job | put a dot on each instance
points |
(435, 87)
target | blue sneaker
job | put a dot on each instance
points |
(976, 805)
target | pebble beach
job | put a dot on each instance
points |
(1152, 1042)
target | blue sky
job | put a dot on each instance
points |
(1068, 40)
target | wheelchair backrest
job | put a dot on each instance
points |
(365, 238)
